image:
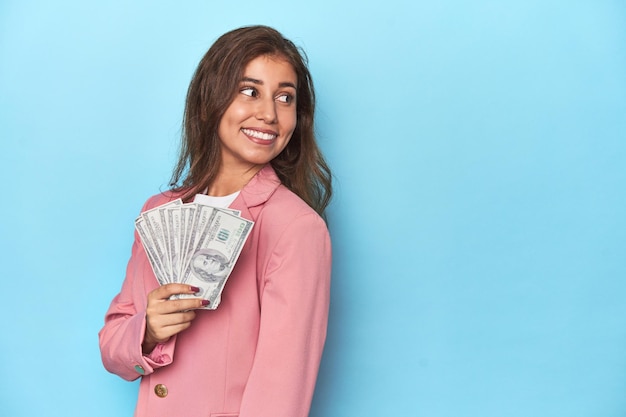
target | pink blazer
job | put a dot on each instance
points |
(258, 354)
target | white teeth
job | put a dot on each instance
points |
(259, 135)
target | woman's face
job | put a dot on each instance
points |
(258, 124)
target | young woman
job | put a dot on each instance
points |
(248, 143)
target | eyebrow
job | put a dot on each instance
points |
(259, 82)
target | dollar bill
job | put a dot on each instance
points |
(217, 249)
(152, 240)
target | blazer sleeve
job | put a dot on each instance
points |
(125, 322)
(294, 317)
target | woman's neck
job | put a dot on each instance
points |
(229, 181)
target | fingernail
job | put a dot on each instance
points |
(194, 289)
(205, 302)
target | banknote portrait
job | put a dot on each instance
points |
(209, 265)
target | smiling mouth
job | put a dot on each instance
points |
(259, 135)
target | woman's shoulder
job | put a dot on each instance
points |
(285, 207)
(285, 199)
(161, 198)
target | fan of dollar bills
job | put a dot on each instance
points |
(193, 244)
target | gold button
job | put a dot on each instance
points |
(160, 390)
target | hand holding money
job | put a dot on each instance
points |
(193, 244)
(165, 317)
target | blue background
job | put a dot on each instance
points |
(479, 220)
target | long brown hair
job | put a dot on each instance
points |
(300, 166)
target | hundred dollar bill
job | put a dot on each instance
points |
(149, 228)
(187, 215)
(172, 217)
(193, 220)
(150, 249)
(217, 248)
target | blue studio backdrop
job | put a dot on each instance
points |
(479, 218)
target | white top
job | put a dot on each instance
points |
(219, 202)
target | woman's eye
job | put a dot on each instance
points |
(285, 98)
(248, 91)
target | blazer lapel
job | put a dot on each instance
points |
(254, 194)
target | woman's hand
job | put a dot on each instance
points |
(165, 317)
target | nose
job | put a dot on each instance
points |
(266, 111)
